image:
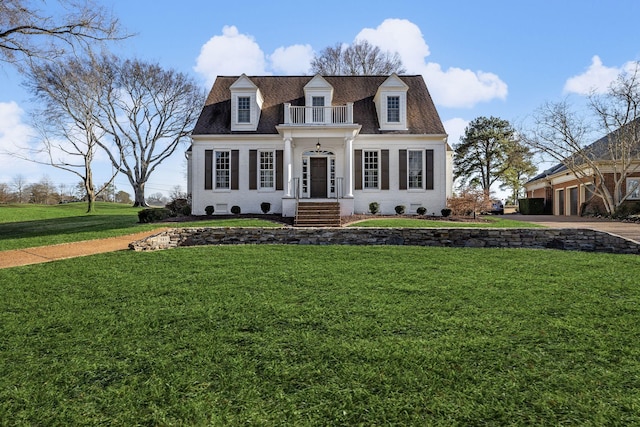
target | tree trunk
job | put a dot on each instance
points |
(90, 190)
(139, 200)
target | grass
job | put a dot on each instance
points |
(497, 222)
(27, 225)
(24, 226)
(322, 335)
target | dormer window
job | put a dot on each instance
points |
(318, 94)
(393, 109)
(244, 109)
(246, 105)
(391, 104)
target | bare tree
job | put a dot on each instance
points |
(122, 197)
(43, 192)
(27, 33)
(360, 58)
(146, 112)
(19, 185)
(566, 136)
(177, 193)
(5, 193)
(68, 92)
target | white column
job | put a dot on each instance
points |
(288, 169)
(348, 167)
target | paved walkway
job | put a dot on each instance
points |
(18, 257)
(627, 230)
(41, 254)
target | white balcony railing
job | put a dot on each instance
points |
(341, 114)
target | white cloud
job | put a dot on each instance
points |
(14, 138)
(455, 129)
(234, 53)
(454, 87)
(596, 78)
(231, 53)
(13, 132)
(292, 60)
(402, 36)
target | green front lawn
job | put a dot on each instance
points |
(487, 221)
(322, 335)
(24, 226)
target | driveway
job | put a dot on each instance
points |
(627, 230)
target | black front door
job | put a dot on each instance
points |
(318, 177)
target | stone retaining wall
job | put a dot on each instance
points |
(532, 238)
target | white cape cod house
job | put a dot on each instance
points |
(346, 139)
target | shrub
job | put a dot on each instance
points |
(532, 206)
(469, 202)
(179, 207)
(374, 207)
(627, 209)
(591, 208)
(421, 210)
(265, 207)
(445, 212)
(400, 209)
(153, 215)
(235, 210)
(209, 210)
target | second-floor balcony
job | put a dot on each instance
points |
(303, 115)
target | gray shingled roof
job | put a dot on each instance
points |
(422, 117)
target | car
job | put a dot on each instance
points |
(497, 208)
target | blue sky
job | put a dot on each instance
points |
(489, 58)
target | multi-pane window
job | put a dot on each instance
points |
(244, 109)
(633, 188)
(415, 168)
(267, 171)
(332, 175)
(393, 109)
(370, 169)
(223, 169)
(305, 175)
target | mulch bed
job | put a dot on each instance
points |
(345, 219)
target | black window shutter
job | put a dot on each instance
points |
(253, 166)
(235, 165)
(402, 168)
(429, 169)
(279, 170)
(208, 169)
(357, 169)
(385, 169)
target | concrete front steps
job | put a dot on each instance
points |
(318, 214)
